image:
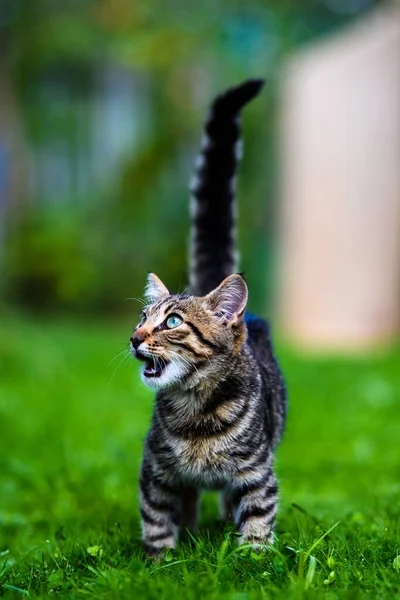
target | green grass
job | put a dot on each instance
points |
(71, 434)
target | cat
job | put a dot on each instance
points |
(221, 400)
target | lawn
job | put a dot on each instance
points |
(72, 423)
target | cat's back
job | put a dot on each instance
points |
(273, 387)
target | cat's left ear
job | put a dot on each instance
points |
(155, 290)
(229, 299)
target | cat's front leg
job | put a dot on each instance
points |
(255, 499)
(160, 509)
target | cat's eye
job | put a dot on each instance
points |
(143, 319)
(173, 321)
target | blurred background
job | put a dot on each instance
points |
(101, 109)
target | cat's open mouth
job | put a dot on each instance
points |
(153, 367)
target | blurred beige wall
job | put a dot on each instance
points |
(340, 226)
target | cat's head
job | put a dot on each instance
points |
(182, 339)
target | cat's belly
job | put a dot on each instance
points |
(203, 463)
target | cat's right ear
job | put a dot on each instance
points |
(155, 290)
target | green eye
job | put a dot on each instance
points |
(173, 321)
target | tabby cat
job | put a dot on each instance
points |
(221, 402)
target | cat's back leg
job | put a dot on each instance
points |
(190, 497)
(226, 506)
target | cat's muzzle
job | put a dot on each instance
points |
(154, 366)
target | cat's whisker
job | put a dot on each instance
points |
(142, 302)
(185, 361)
(123, 360)
(124, 351)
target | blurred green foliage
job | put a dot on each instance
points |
(86, 247)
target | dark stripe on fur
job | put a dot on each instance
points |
(227, 390)
(257, 462)
(154, 503)
(242, 454)
(189, 348)
(178, 335)
(254, 511)
(146, 516)
(252, 486)
(148, 475)
(272, 490)
(157, 537)
(208, 428)
(201, 337)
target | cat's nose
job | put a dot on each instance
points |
(136, 340)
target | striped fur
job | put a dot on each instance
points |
(221, 402)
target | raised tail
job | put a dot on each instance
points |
(213, 254)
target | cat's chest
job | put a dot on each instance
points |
(201, 441)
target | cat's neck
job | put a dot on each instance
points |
(219, 381)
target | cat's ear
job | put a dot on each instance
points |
(155, 290)
(229, 299)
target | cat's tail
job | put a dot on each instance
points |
(213, 254)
